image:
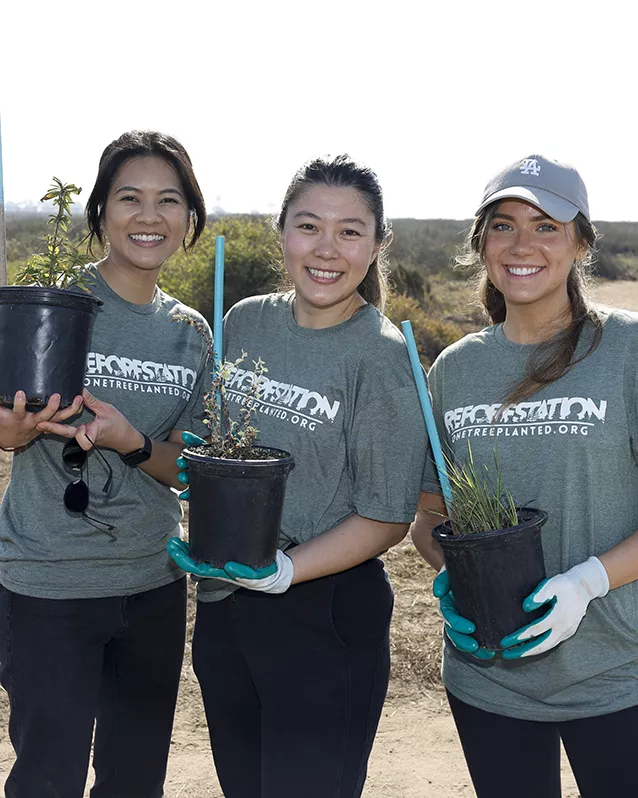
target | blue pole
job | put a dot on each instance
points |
(218, 301)
(3, 230)
(428, 415)
(218, 318)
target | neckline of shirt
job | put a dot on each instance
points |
(142, 310)
(504, 341)
(308, 332)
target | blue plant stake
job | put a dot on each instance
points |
(428, 415)
(218, 310)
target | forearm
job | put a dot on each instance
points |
(621, 562)
(161, 465)
(350, 543)
(429, 514)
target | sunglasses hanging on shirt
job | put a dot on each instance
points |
(76, 494)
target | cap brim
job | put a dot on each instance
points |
(555, 207)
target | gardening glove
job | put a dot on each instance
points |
(190, 439)
(458, 629)
(568, 595)
(273, 578)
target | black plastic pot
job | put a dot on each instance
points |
(44, 343)
(492, 572)
(235, 507)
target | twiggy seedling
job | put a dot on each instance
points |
(62, 265)
(229, 439)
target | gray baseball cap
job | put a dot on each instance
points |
(555, 188)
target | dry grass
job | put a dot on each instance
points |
(617, 294)
(416, 624)
(455, 301)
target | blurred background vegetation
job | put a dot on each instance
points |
(427, 288)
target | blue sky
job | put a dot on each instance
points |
(436, 97)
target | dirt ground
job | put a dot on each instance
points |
(416, 753)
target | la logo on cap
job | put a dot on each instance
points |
(530, 166)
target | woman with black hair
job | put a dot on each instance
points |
(551, 387)
(294, 664)
(92, 610)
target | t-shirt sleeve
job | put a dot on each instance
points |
(192, 417)
(387, 455)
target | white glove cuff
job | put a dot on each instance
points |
(596, 577)
(286, 572)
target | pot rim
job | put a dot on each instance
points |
(204, 458)
(45, 294)
(534, 517)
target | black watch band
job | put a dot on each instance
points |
(138, 456)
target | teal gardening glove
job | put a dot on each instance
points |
(273, 578)
(190, 439)
(459, 630)
(568, 596)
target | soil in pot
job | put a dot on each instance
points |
(45, 335)
(236, 506)
(492, 572)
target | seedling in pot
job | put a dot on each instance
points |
(230, 439)
(62, 265)
(492, 550)
(46, 321)
(479, 502)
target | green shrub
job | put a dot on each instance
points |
(431, 334)
(251, 263)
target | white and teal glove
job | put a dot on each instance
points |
(568, 595)
(273, 578)
(459, 630)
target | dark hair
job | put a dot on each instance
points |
(342, 172)
(553, 358)
(144, 144)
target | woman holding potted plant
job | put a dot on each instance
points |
(551, 387)
(294, 664)
(92, 611)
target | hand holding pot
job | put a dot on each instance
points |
(274, 578)
(109, 429)
(459, 630)
(569, 595)
(190, 439)
(18, 427)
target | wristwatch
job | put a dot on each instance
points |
(138, 456)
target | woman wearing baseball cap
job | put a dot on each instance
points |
(559, 379)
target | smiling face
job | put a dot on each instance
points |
(146, 215)
(528, 257)
(328, 243)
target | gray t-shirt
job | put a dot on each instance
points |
(155, 371)
(571, 450)
(343, 401)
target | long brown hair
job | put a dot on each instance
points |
(553, 358)
(342, 172)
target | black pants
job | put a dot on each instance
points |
(294, 684)
(510, 757)
(66, 663)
